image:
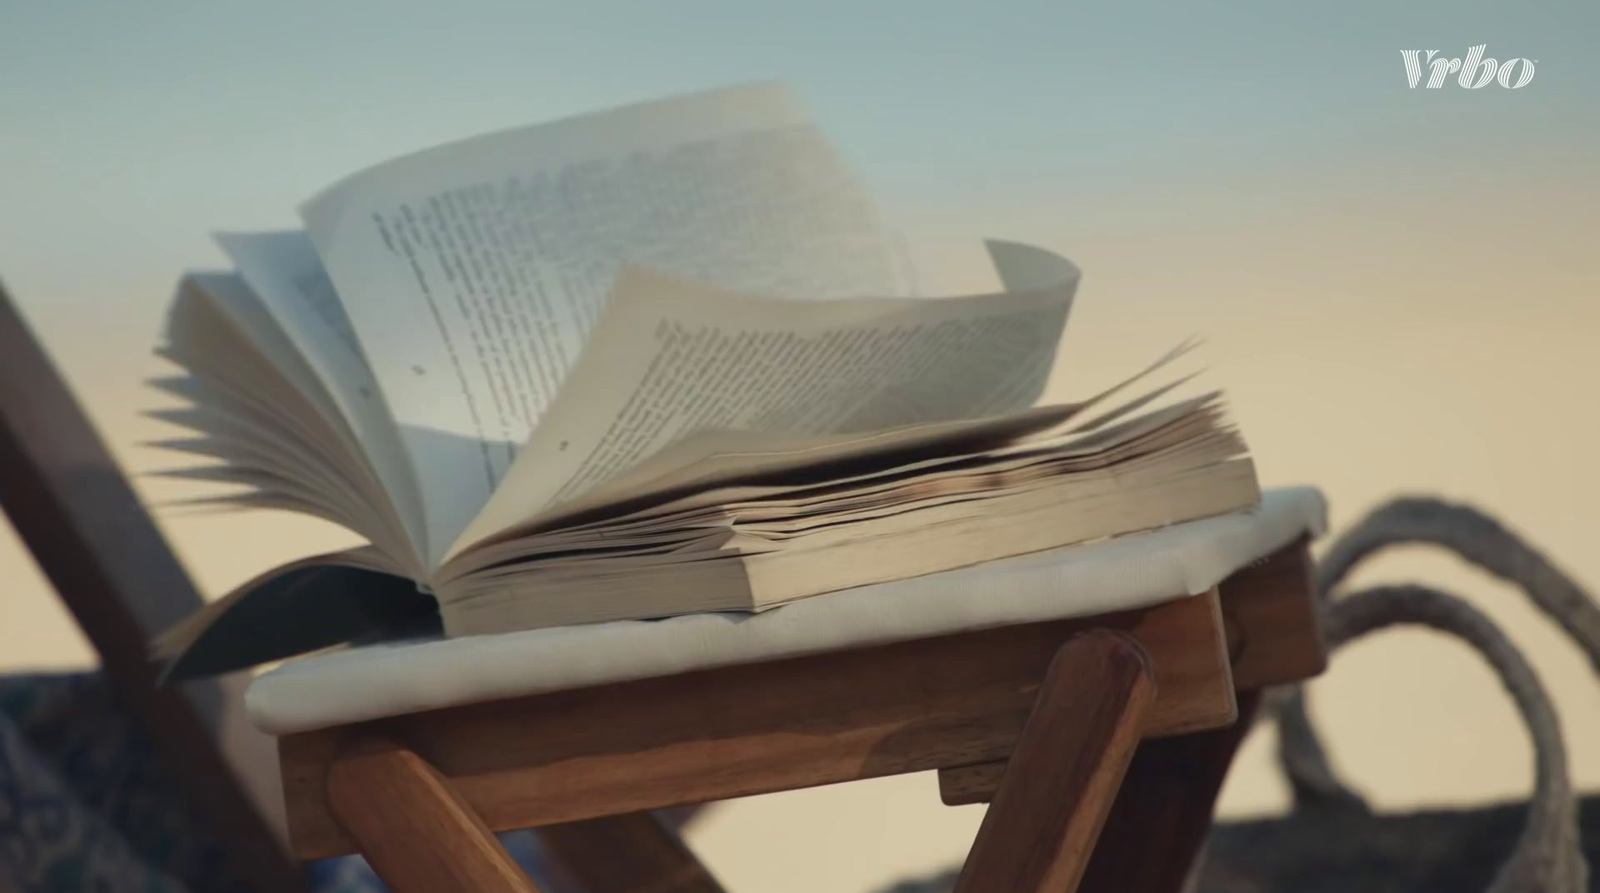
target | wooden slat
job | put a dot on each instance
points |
(1270, 613)
(1270, 619)
(969, 784)
(108, 562)
(1064, 773)
(736, 731)
(1168, 795)
(633, 853)
(416, 833)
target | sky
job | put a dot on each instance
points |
(134, 127)
(1397, 285)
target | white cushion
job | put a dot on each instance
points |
(1110, 575)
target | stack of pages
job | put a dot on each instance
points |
(648, 362)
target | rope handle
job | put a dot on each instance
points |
(1548, 857)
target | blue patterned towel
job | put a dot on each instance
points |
(85, 804)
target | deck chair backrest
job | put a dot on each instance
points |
(106, 559)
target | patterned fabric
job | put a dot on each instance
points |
(85, 805)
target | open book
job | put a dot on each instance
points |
(647, 362)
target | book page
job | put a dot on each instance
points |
(672, 360)
(262, 408)
(284, 271)
(473, 272)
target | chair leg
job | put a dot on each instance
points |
(1164, 808)
(1065, 769)
(635, 853)
(414, 829)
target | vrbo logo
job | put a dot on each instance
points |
(1476, 71)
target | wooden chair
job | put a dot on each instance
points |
(1100, 741)
(1117, 728)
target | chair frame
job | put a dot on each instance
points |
(1091, 737)
(1045, 719)
(76, 512)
